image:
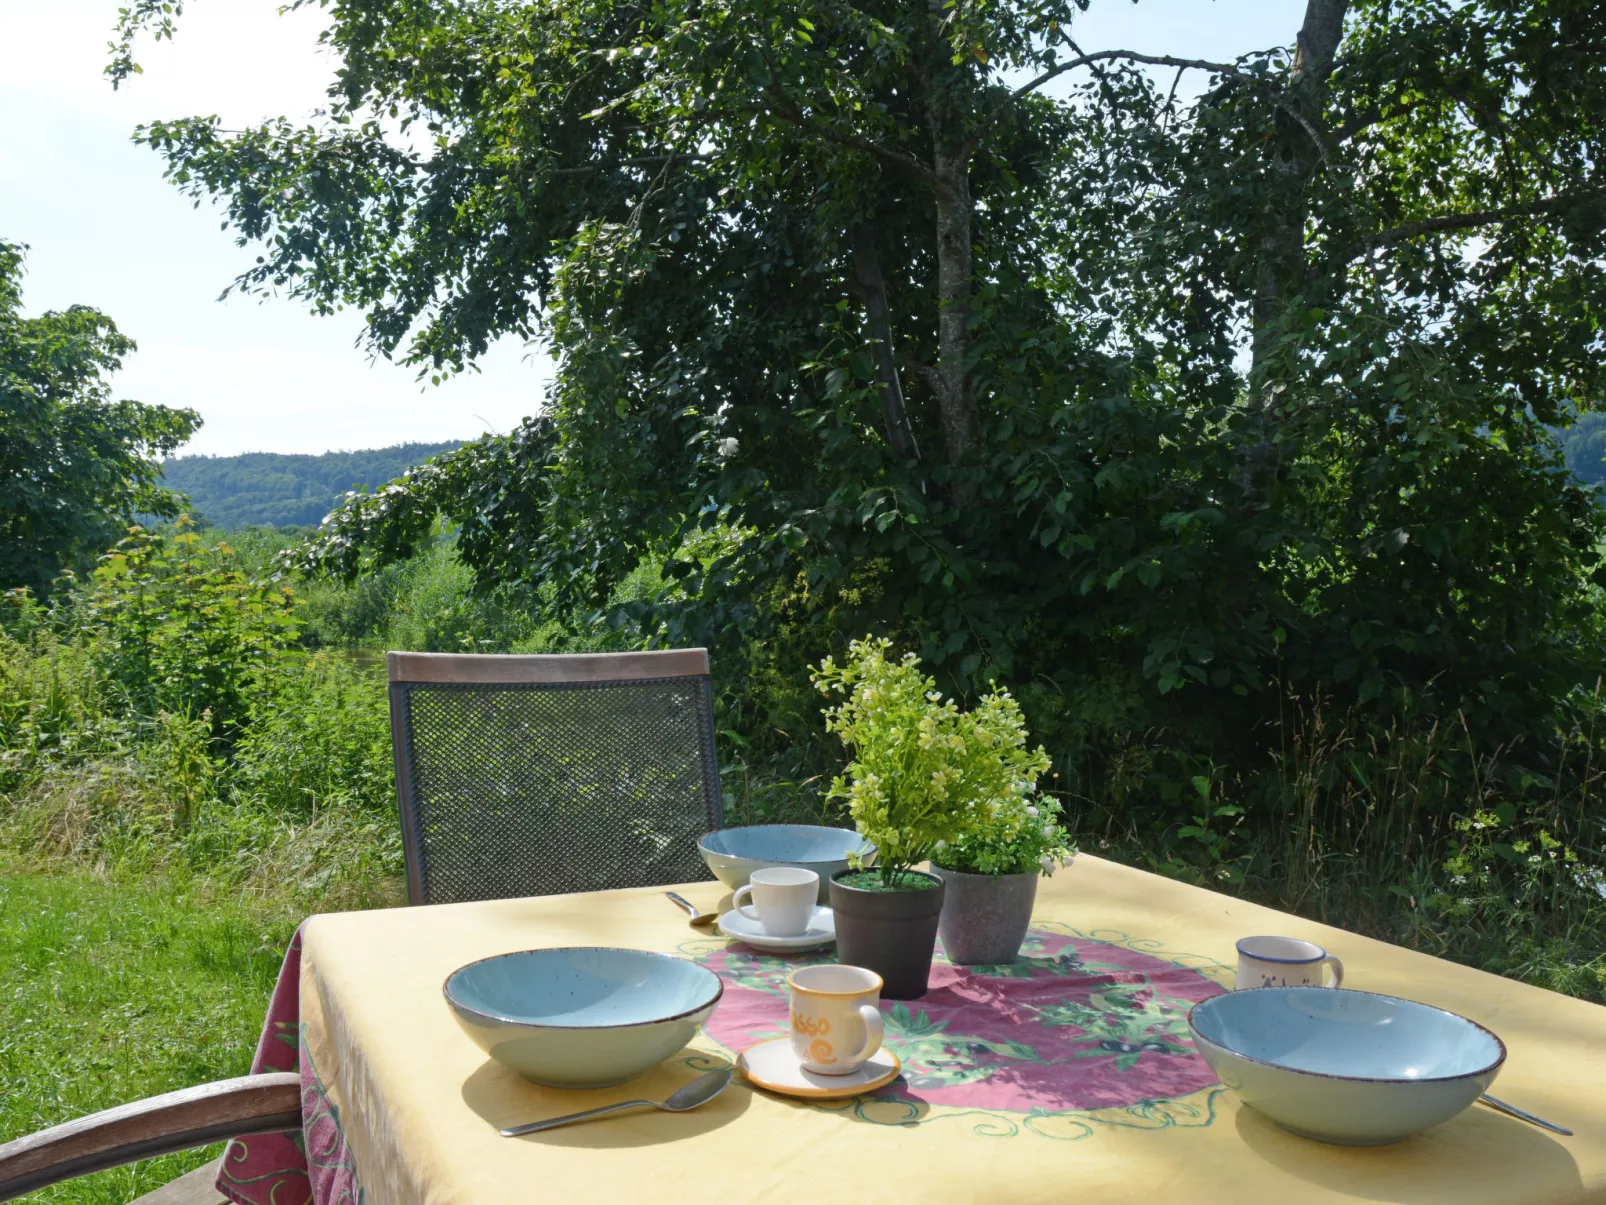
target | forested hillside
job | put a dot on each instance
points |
(1584, 444)
(285, 491)
(265, 488)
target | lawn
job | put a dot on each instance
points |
(115, 992)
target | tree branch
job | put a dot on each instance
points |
(635, 161)
(1131, 56)
(1153, 60)
(871, 286)
(1368, 118)
(1470, 221)
(790, 112)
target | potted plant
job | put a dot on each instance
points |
(990, 876)
(924, 775)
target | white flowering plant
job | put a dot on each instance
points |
(925, 776)
(1024, 836)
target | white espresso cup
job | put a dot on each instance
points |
(836, 1023)
(1284, 962)
(784, 898)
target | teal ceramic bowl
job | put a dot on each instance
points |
(1340, 1066)
(582, 1017)
(733, 854)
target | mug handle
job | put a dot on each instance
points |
(1338, 971)
(736, 902)
(874, 1030)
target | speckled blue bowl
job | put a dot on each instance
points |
(581, 1017)
(1341, 1066)
(733, 854)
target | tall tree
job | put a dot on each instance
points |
(929, 318)
(76, 467)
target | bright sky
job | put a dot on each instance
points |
(105, 229)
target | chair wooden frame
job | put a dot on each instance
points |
(159, 1125)
(503, 669)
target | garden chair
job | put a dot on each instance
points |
(160, 1125)
(537, 775)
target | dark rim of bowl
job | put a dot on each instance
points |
(446, 988)
(1358, 1079)
(864, 846)
(1322, 957)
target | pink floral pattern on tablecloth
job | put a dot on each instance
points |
(274, 1169)
(1077, 1024)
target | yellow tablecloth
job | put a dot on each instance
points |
(420, 1104)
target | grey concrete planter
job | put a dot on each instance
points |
(984, 916)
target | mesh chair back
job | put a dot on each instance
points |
(543, 774)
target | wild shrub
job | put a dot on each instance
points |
(156, 720)
(178, 634)
(318, 738)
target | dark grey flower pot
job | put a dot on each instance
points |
(985, 916)
(891, 933)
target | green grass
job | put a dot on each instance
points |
(116, 992)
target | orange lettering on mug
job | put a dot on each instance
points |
(809, 1027)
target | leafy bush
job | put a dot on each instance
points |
(318, 739)
(113, 754)
(177, 634)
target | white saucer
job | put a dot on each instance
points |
(773, 1065)
(821, 931)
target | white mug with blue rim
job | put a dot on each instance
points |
(1284, 962)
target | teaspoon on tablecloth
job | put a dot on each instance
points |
(699, 1092)
(698, 919)
(1501, 1105)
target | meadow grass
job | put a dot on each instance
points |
(117, 991)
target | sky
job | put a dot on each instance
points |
(104, 229)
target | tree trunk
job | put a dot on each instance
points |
(954, 214)
(1282, 252)
(872, 288)
(1318, 41)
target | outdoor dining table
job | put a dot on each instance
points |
(1068, 1077)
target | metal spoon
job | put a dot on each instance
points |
(1493, 1103)
(699, 920)
(699, 1092)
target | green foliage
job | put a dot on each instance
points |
(292, 798)
(1508, 876)
(319, 739)
(268, 489)
(1024, 836)
(183, 636)
(75, 466)
(923, 774)
(835, 284)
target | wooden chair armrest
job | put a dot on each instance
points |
(159, 1125)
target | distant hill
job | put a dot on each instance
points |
(267, 489)
(1584, 446)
